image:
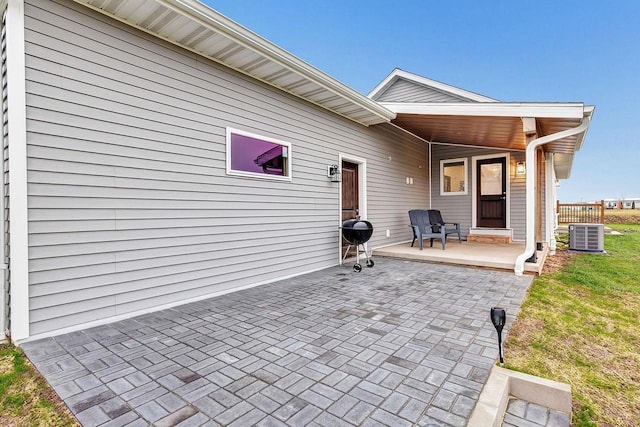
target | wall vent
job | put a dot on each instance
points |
(586, 237)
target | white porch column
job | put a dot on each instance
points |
(552, 197)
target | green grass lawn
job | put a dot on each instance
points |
(25, 398)
(580, 325)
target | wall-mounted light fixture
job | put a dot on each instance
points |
(520, 168)
(333, 172)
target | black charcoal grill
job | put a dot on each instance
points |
(357, 232)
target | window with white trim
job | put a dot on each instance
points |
(257, 156)
(453, 177)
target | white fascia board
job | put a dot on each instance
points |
(384, 84)
(491, 109)
(219, 23)
(398, 73)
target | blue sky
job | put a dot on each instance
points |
(546, 51)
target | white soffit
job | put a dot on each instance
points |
(200, 29)
(562, 164)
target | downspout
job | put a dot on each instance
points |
(530, 159)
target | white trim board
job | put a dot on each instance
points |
(465, 166)
(362, 193)
(3, 280)
(239, 173)
(398, 74)
(17, 127)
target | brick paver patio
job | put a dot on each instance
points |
(520, 413)
(401, 344)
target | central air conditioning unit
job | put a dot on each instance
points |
(586, 237)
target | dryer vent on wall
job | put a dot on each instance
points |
(586, 237)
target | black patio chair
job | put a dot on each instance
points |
(438, 224)
(423, 229)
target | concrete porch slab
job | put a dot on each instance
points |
(501, 256)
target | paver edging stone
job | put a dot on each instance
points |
(503, 383)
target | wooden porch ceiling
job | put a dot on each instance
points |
(497, 132)
(486, 131)
(567, 145)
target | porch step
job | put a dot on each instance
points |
(488, 238)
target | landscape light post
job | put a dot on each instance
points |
(499, 318)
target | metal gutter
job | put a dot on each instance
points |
(207, 18)
(490, 109)
(241, 35)
(530, 244)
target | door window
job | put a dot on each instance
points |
(491, 179)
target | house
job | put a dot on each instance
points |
(622, 203)
(156, 153)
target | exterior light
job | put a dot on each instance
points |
(499, 318)
(333, 172)
(520, 168)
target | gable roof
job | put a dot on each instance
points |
(398, 75)
(200, 29)
(196, 27)
(470, 119)
(496, 125)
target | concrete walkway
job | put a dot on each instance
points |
(403, 343)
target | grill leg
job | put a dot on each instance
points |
(366, 254)
(346, 253)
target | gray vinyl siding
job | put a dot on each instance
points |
(129, 204)
(403, 90)
(459, 208)
(518, 202)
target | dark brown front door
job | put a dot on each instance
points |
(350, 205)
(491, 181)
(350, 202)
